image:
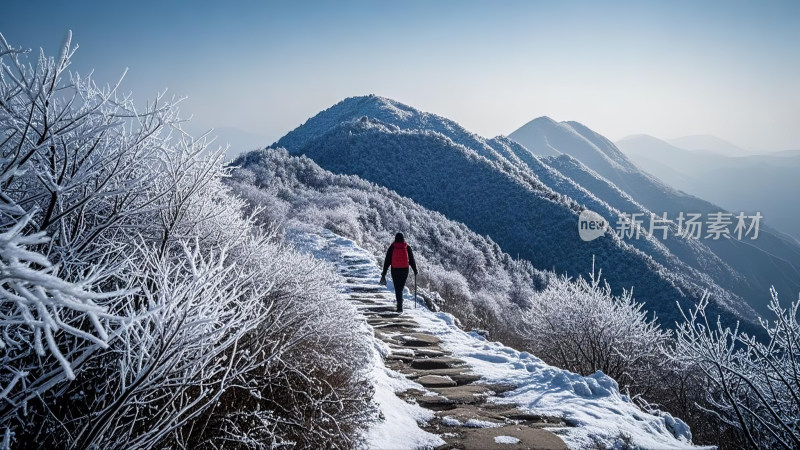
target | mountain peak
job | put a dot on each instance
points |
(374, 107)
(380, 110)
(371, 102)
(645, 143)
(541, 121)
(638, 136)
(546, 137)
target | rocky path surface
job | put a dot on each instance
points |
(464, 415)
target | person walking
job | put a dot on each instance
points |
(400, 258)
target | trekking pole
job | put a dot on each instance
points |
(415, 291)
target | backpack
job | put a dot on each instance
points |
(400, 255)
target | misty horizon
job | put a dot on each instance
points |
(669, 71)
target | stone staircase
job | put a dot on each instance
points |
(465, 418)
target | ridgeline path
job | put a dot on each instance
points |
(464, 415)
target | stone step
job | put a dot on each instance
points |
(517, 415)
(404, 351)
(366, 290)
(542, 425)
(403, 358)
(511, 412)
(435, 403)
(504, 437)
(379, 296)
(427, 400)
(500, 388)
(399, 326)
(384, 337)
(397, 332)
(461, 375)
(377, 309)
(436, 381)
(441, 362)
(385, 314)
(429, 352)
(418, 340)
(398, 321)
(363, 301)
(466, 394)
(423, 351)
(361, 297)
(464, 413)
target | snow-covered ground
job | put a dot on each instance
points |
(597, 412)
(593, 404)
(400, 428)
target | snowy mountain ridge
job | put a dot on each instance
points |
(503, 190)
(709, 143)
(544, 136)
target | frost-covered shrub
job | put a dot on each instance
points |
(580, 326)
(315, 393)
(49, 325)
(140, 308)
(170, 365)
(749, 383)
(451, 285)
(82, 157)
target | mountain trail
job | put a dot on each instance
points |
(440, 387)
(464, 416)
(461, 410)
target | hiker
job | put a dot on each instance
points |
(400, 257)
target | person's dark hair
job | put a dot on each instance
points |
(399, 237)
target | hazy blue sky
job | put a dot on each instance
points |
(669, 69)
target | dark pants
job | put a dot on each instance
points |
(399, 277)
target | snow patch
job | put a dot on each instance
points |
(451, 422)
(477, 423)
(506, 440)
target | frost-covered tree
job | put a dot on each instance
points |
(139, 307)
(752, 382)
(81, 155)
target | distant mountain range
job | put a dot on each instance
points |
(709, 144)
(749, 183)
(529, 203)
(772, 259)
